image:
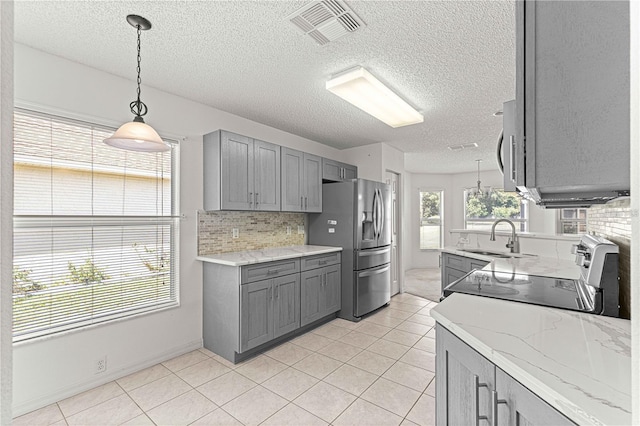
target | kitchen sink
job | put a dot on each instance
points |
(485, 252)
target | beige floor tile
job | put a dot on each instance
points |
(371, 362)
(431, 333)
(388, 349)
(141, 420)
(312, 341)
(426, 310)
(409, 375)
(90, 398)
(317, 365)
(414, 327)
(426, 344)
(45, 416)
(255, 406)
(112, 412)
(341, 351)
(261, 368)
(182, 410)
(396, 313)
(217, 418)
(325, 401)
(391, 396)
(208, 353)
(351, 379)
(418, 358)
(383, 320)
(363, 413)
(373, 329)
(331, 331)
(404, 306)
(61, 423)
(414, 300)
(162, 390)
(184, 361)
(227, 387)
(292, 415)
(424, 412)
(143, 377)
(431, 389)
(422, 319)
(226, 362)
(340, 322)
(202, 372)
(288, 353)
(290, 383)
(406, 422)
(402, 337)
(358, 339)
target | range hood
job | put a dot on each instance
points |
(570, 200)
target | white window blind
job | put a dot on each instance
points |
(95, 227)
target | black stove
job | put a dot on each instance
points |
(596, 291)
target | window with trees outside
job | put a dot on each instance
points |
(481, 211)
(95, 227)
(431, 220)
(572, 221)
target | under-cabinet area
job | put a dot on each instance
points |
(455, 267)
(252, 300)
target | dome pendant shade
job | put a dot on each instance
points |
(137, 136)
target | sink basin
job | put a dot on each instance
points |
(485, 252)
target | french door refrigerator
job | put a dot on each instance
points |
(356, 215)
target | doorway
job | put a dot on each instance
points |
(393, 180)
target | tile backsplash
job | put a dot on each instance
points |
(613, 222)
(256, 230)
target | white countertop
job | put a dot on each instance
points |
(578, 363)
(266, 255)
(560, 237)
(532, 265)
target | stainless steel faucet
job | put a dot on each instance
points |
(513, 243)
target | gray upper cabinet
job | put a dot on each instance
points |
(468, 384)
(240, 173)
(335, 171)
(572, 99)
(301, 181)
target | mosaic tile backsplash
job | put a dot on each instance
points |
(613, 222)
(257, 230)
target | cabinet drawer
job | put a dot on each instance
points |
(313, 262)
(262, 271)
(455, 262)
(478, 264)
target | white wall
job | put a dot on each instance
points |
(368, 158)
(50, 369)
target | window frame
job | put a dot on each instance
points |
(441, 224)
(524, 211)
(83, 221)
(560, 221)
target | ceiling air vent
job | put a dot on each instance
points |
(326, 20)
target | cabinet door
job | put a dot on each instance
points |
(267, 176)
(312, 183)
(331, 289)
(464, 384)
(256, 316)
(236, 172)
(450, 275)
(311, 283)
(349, 172)
(292, 180)
(331, 170)
(286, 304)
(523, 407)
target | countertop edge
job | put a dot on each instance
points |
(263, 256)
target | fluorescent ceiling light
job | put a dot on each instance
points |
(360, 88)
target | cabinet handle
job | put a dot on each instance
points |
(439, 261)
(342, 172)
(305, 203)
(273, 271)
(272, 292)
(250, 199)
(256, 198)
(512, 139)
(476, 386)
(301, 198)
(322, 262)
(494, 406)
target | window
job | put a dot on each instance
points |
(95, 227)
(572, 221)
(481, 212)
(431, 220)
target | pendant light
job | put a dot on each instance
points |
(478, 192)
(137, 135)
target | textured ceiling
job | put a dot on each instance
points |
(453, 60)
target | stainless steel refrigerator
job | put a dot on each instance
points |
(356, 215)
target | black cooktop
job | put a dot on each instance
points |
(538, 290)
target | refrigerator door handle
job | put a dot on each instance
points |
(381, 215)
(375, 272)
(374, 214)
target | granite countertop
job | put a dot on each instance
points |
(241, 258)
(523, 264)
(578, 363)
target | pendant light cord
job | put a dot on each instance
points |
(138, 107)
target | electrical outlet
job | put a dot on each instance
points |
(300, 229)
(463, 240)
(235, 233)
(288, 230)
(101, 365)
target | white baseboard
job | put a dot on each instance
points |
(69, 390)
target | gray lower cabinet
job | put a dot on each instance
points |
(454, 267)
(335, 171)
(301, 181)
(320, 293)
(471, 390)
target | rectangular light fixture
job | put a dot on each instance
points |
(360, 88)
